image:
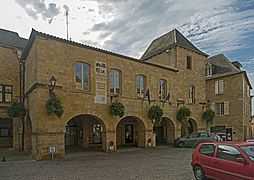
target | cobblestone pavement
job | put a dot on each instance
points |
(160, 163)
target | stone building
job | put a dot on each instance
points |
(228, 93)
(89, 79)
(11, 46)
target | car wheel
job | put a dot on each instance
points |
(199, 173)
(180, 144)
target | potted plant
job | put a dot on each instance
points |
(183, 114)
(208, 116)
(16, 110)
(55, 105)
(117, 109)
(155, 113)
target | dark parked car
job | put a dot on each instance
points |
(192, 140)
(224, 160)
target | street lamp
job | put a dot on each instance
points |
(52, 85)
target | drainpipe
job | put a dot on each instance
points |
(21, 86)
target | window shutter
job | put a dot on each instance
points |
(216, 87)
(212, 106)
(221, 86)
(226, 108)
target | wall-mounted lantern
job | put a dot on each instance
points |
(52, 85)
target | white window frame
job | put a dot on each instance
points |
(219, 87)
(80, 86)
(139, 85)
(162, 91)
(221, 108)
(4, 93)
(115, 83)
(191, 94)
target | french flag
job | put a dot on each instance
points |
(148, 96)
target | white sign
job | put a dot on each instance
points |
(100, 83)
(52, 149)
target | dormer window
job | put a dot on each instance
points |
(208, 70)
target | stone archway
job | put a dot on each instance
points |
(189, 127)
(165, 131)
(130, 131)
(84, 132)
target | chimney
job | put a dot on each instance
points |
(237, 65)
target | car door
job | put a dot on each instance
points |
(192, 139)
(206, 158)
(226, 165)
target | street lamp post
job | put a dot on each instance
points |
(52, 85)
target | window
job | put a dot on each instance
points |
(222, 108)
(114, 81)
(189, 62)
(5, 93)
(162, 89)
(194, 135)
(249, 150)
(140, 84)
(82, 76)
(228, 153)
(192, 94)
(219, 87)
(208, 70)
(207, 149)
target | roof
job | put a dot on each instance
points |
(221, 67)
(12, 39)
(35, 33)
(221, 64)
(167, 41)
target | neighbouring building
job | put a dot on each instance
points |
(228, 93)
(88, 80)
(11, 46)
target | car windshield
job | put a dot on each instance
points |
(249, 150)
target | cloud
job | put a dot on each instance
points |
(213, 26)
(36, 8)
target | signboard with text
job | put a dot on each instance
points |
(100, 83)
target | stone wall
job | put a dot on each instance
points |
(59, 59)
(233, 93)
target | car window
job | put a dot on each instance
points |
(195, 135)
(228, 153)
(249, 150)
(207, 149)
(203, 135)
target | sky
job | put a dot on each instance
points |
(128, 26)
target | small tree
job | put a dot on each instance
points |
(16, 110)
(117, 109)
(208, 116)
(155, 113)
(55, 105)
(183, 114)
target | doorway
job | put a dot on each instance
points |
(129, 134)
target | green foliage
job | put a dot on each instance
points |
(16, 110)
(155, 113)
(55, 105)
(208, 115)
(117, 109)
(183, 114)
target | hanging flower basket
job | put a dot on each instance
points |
(208, 116)
(55, 105)
(155, 113)
(183, 114)
(16, 110)
(117, 109)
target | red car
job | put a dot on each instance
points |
(224, 160)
